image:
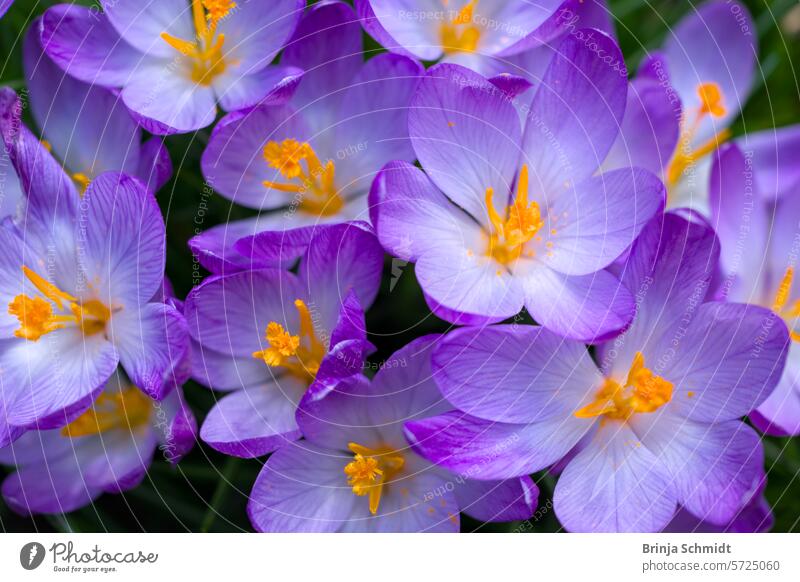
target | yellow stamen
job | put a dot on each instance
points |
(286, 156)
(218, 9)
(461, 34)
(82, 180)
(314, 181)
(91, 316)
(306, 322)
(282, 345)
(711, 97)
(785, 287)
(199, 17)
(779, 304)
(650, 392)
(36, 316)
(524, 221)
(300, 354)
(793, 311)
(127, 409)
(205, 52)
(642, 392)
(184, 47)
(711, 103)
(370, 470)
(294, 188)
(47, 289)
(683, 160)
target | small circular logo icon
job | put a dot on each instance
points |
(31, 555)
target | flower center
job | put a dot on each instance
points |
(37, 315)
(643, 391)
(460, 34)
(370, 470)
(300, 354)
(685, 158)
(782, 307)
(523, 221)
(205, 52)
(127, 409)
(81, 180)
(309, 179)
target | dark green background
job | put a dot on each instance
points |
(208, 491)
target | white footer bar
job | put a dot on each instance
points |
(407, 558)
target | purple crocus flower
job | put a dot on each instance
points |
(655, 425)
(758, 234)
(507, 216)
(174, 60)
(649, 132)
(709, 60)
(472, 33)
(78, 276)
(519, 71)
(650, 127)
(267, 335)
(313, 160)
(85, 127)
(88, 128)
(355, 472)
(107, 449)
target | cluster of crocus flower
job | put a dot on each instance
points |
(271, 336)
(499, 146)
(174, 61)
(312, 160)
(85, 127)
(91, 340)
(354, 469)
(653, 424)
